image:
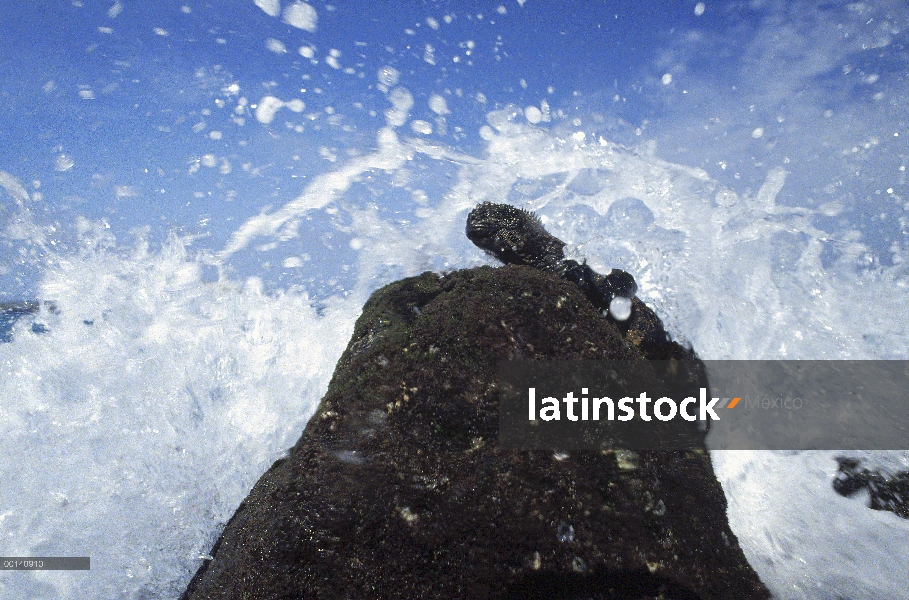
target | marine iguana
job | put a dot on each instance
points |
(516, 236)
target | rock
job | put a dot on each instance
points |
(10, 312)
(885, 492)
(397, 488)
(26, 307)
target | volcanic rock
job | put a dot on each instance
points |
(885, 491)
(398, 489)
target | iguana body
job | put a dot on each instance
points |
(517, 236)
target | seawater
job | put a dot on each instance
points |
(141, 405)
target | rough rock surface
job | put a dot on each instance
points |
(397, 488)
(885, 492)
(10, 312)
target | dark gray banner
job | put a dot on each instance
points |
(746, 405)
(45, 563)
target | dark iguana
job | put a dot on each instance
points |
(516, 236)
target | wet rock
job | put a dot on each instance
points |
(10, 312)
(397, 488)
(885, 492)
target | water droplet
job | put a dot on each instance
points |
(565, 533)
(620, 308)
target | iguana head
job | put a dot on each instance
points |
(513, 235)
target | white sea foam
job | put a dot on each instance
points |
(804, 540)
(146, 379)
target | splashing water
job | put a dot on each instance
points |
(142, 404)
(154, 399)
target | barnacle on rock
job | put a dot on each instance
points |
(516, 236)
